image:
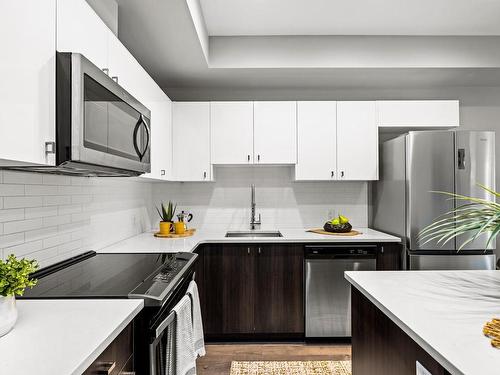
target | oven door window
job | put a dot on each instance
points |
(111, 125)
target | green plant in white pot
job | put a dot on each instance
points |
(14, 279)
(472, 218)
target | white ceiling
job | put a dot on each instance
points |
(351, 17)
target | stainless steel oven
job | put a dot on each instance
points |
(100, 128)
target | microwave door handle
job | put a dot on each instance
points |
(136, 146)
(148, 138)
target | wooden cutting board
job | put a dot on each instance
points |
(322, 231)
(188, 233)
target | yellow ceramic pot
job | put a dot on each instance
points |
(180, 227)
(166, 227)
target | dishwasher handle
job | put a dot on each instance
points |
(341, 252)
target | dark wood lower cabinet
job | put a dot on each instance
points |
(256, 291)
(389, 257)
(118, 357)
(279, 280)
(380, 347)
(252, 291)
(228, 285)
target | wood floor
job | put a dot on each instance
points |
(219, 356)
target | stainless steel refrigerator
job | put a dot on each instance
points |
(402, 202)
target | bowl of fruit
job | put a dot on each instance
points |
(338, 224)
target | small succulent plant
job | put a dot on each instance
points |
(167, 213)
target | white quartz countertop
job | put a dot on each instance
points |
(63, 337)
(443, 311)
(146, 242)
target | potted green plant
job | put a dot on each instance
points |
(14, 279)
(473, 217)
(167, 217)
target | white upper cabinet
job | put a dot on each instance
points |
(275, 132)
(161, 139)
(357, 141)
(81, 30)
(418, 113)
(27, 87)
(316, 141)
(232, 132)
(191, 141)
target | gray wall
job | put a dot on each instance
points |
(108, 11)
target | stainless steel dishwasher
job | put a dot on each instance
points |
(328, 294)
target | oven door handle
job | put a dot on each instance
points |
(163, 325)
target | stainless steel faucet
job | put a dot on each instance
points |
(254, 222)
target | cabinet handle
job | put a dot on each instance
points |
(106, 368)
(162, 172)
(50, 148)
(248, 158)
(106, 70)
(248, 250)
(205, 175)
(258, 158)
(260, 251)
(115, 78)
(341, 173)
(333, 174)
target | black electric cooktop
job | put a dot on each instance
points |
(91, 275)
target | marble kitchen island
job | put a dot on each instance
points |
(433, 317)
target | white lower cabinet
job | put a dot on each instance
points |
(316, 141)
(232, 132)
(357, 141)
(275, 132)
(191, 141)
(27, 87)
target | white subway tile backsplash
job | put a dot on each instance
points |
(23, 178)
(56, 200)
(283, 203)
(42, 190)
(56, 220)
(69, 246)
(11, 239)
(21, 202)
(11, 190)
(40, 234)
(56, 240)
(11, 215)
(25, 248)
(48, 217)
(71, 209)
(22, 225)
(35, 212)
(51, 179)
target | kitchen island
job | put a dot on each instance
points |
(433, 317)
(65, 337)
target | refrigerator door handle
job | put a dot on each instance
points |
(461, 158)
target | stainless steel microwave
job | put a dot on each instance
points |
(101, 129)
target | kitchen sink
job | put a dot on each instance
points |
(260, 234)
